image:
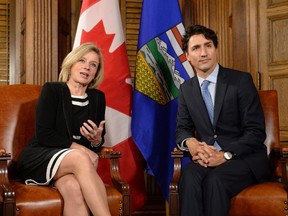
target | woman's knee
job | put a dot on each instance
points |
(78, 159)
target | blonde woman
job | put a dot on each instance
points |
(69, 130)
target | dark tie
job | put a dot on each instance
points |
(209, 104)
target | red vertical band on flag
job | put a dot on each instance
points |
(100, 23)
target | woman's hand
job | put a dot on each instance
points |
(92, 132)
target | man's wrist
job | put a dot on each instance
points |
(183, 146)
(228, 155)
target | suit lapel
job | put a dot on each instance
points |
(198, 102)
(221, 88)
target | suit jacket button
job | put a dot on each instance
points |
(215, 136)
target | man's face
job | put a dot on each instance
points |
(202, 54)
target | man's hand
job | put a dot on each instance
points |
(204, 154)
(216, 159)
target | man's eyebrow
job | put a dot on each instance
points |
(196, 46)
(207, 43)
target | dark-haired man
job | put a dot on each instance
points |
(223, 106)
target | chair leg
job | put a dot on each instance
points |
(174, 204)
(8, 207)
(126, 211)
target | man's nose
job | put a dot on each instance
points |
(203, 52)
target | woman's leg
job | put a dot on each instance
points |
(74, 202)
(80, 165)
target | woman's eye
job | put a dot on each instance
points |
(94, 65)
(82, 60)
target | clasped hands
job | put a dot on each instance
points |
(92, 133)
(204, 154)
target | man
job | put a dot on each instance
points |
(225, 138)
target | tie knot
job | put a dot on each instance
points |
(205, 84)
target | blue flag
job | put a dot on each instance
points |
(161, 67)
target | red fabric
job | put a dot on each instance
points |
(100, 23)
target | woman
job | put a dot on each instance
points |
(69, 130)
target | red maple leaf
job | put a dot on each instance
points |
(116, 69)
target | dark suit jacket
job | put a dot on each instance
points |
(239, 125)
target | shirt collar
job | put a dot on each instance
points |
(212, 77)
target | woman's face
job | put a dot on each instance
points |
(84, 70)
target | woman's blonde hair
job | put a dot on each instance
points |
(74, 56)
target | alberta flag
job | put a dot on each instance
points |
(160, 69)
(100, 23)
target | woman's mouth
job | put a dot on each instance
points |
(84, 74)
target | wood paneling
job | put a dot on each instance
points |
(4, 41)
(64, 31)
(40, 41)
(273, 54)
(131, 14)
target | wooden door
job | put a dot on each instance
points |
(273, 54)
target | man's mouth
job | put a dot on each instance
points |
(204, 60)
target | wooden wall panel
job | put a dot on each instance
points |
(280, 83)
(273, 55)
(40, 41)
(4, 41)
(278, 34)
(131, 14)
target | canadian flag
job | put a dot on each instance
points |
(100, 23)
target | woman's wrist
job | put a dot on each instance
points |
(96, 143)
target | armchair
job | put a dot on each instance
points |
(264, 199)
(17, 110)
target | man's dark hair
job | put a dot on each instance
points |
(196, 30)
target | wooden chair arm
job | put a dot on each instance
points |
(118, 182)
(284, 151)
(6, 192)
(177, 155)
(284, 162)
(4, 157)
(173, 187)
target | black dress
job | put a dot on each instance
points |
(58, 119)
